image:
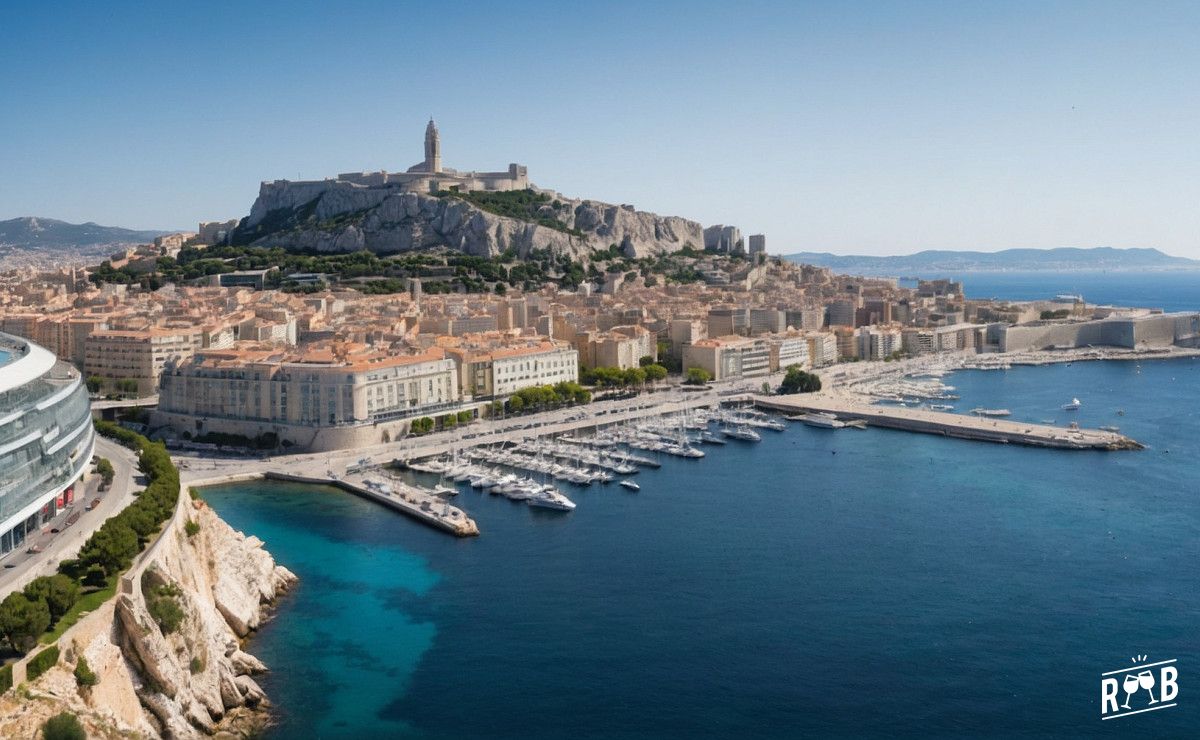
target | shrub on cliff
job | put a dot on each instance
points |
(84, 676)
(64, 726)
(163, 604)
(42, 662)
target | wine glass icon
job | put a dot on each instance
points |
(1130, 684)
(1146, 681)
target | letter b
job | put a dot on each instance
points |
(1170, 683)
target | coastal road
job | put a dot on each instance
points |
(20, 567)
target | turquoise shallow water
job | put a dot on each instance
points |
(906, 585)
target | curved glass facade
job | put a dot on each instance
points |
(46, 442)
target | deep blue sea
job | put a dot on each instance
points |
(1177, 290)
(821, 583)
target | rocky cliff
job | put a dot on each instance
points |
(187, 682)
(334, 216)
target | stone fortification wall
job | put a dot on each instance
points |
(1161, 330)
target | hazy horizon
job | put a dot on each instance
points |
(883, 129)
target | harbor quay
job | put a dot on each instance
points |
(363, 471)
(949, 425)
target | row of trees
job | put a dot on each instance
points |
(543, 398)
(26, 615)
(615, 377)
(427, 424)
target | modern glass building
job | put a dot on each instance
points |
(46, 437)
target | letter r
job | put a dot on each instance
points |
(1170, 683)
(1108, 695)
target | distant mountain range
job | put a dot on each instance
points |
(948, 263)
(29, 232)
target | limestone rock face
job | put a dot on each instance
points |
(189, 683)
(335, 216)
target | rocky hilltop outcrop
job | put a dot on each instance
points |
(337, 216)
(191, 681)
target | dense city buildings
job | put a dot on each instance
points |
(328, 362)
(46, 437)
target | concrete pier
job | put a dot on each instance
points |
(404, 499)
(1003, 431)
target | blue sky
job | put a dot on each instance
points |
(876, 128)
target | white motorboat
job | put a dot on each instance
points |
(822, 421)
(630, 485)
(550, 499)
(991, 412)
(1072, 406)
(745, 434)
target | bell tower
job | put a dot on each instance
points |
(433, 148)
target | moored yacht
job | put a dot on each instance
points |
(551, 499)
(991, 412)
(1072, 406)
(822, 420)
(745, 434)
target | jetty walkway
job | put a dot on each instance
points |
(944, 424)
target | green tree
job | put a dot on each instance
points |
(104, 468)
(798, 381)
(697, 376)
(655, 373)
(645, 360)
(112, 547)
(58, 591)
(22, 621)
(63, 726)
(95, 383)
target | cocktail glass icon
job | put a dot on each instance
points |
(1130, 684)
(1146, 681)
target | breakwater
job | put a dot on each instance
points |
(408, 501)
(958, 426)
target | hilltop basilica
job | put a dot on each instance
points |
(428, 176)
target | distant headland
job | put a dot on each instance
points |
(945, 262)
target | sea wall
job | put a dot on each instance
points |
(188, 682)
(1160, 330)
